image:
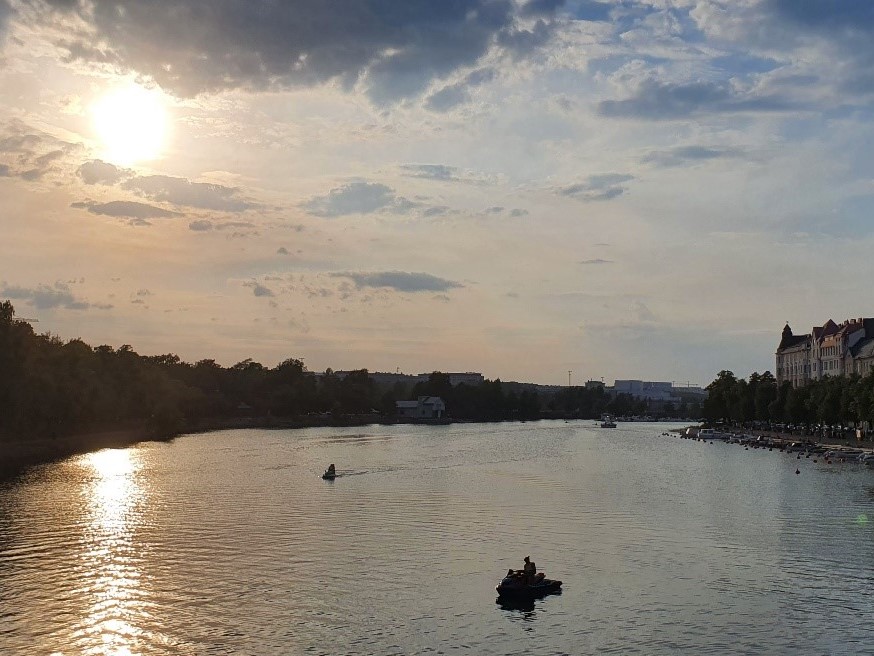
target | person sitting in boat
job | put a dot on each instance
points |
(331, 470)
(529, 570)
(530, 574)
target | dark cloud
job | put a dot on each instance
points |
(656, 100)
(47, 297)
(395, 49)
(4, 171)
(401, 281)
(358, 198)
(180, 191)
(847, 29)
(521, 41)
(518, 212)
(541, 7)
(127, 209)
(201, 225)
(258, 289)
(458, 93)
(689, 154)
(282, 250)
(597, 187)
(5, 13)
(828, 16)
(99, 172)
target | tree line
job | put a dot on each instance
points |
(51, 387)
(844, 401)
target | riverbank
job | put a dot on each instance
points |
(18, 455)
(781, 438)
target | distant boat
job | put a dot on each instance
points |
(607, 422)
(330, 474)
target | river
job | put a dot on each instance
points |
(231, 543)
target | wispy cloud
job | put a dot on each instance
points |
(47, 297)
(597, 187)
(401, 281)
(126, 209)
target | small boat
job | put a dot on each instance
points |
(607, 422)
(330, 473)
(515, 587)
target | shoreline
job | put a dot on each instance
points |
(789, 438)
(16, 456)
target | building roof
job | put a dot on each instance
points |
(864, 348)
(789, 340)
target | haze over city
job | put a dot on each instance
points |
(641, 188)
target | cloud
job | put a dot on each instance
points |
(180, 191)
(201, 225)
(689, 154)
(836, 37)
(656, 100)
(597, 187)
(126, 209)
(458, 93)
(436, 210)
(31, 154)
(401, 281)
(442, 173)
(282, 250)
(358, 198)
(392, 49)
(99, 172)
(5, 13)
(4, 171)
(258, 289)
(597, 260)
(516, 213)
(47, 297)
(643, 312)
(431, 172)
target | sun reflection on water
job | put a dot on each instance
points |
(111, 564)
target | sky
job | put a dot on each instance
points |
(621, 189)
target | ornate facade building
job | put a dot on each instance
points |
(828, 350)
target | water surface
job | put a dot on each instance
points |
(230, 543)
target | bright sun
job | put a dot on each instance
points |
(131, 123)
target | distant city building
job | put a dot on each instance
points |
(425, 407)
(387, 379)
(595, 384)
(828, 350)
(658, 390)
(467, 378)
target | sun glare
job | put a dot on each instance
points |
(131, 122)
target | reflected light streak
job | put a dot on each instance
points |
(111, 561)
